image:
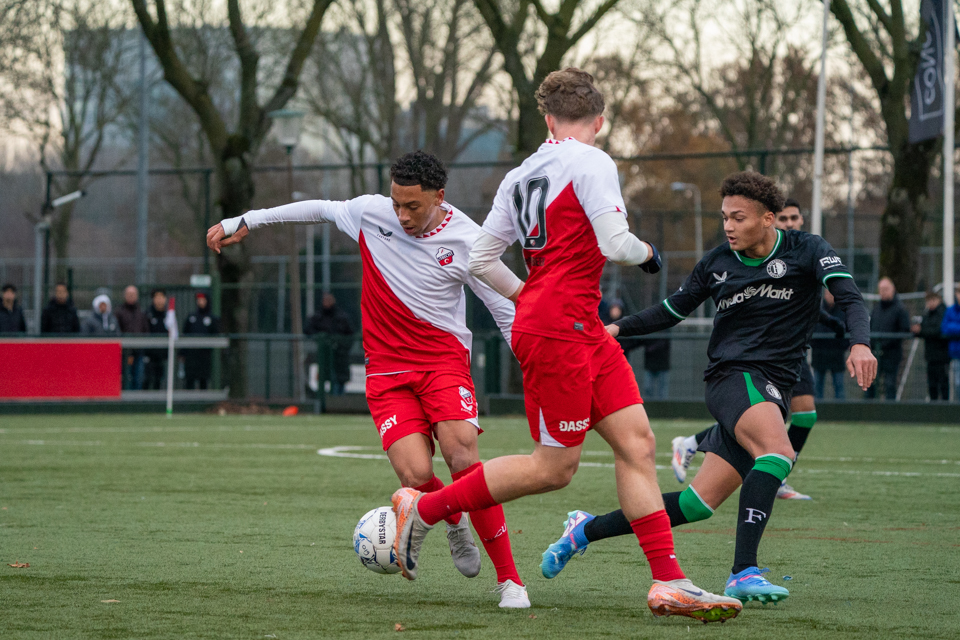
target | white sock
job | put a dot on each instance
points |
(690, 443)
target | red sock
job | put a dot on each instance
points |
(656, 540)
(491, 526)
(435, 484)
(469, 493)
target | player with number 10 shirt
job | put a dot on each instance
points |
(563, 204)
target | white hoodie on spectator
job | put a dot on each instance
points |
(100, 323)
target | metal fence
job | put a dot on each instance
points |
(182, 206)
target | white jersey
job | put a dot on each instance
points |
(548, 203)
(412, 301)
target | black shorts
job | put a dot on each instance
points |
(728, 397)
(804, 386)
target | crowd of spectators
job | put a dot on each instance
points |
(142, 368)
(938, 327)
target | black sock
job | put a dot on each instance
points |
(798, 436)
(671, 502)
(757, 496)
(609, 525)
(613, 524)
(703, 434)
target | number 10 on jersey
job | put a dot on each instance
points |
(531, 220)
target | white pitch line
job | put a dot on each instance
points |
(352, 452)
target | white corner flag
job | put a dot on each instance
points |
(170, 322)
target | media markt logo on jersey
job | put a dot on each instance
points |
(764, 291)
(444, 256)
(777, 268)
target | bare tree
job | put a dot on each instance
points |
(351, 84)
(362, 70)
(508, 23)
(234, 148)
(888, 50)
(450, 75)
(65, 86)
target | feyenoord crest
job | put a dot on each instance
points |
(444, 257)
(466, 400)
(777, 268)
(773, 391)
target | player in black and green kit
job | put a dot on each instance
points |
(758, 279)
(803, 409)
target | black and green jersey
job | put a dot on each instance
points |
(766, 307)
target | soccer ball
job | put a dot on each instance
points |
(373, 540)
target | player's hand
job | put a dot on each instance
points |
(862, 365)
(915, 329)
(613, 330)
(217, 237)
(653, 263)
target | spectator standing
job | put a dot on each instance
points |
(950, 329)
(935, 347)
(333, 321)
(829, 354)
(133, 321)
(656, 368)
(198, 363)
(888, 316)
(155, 360)
(11, 315)
(60, 316)
(102, 322)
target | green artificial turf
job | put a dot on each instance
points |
(205, 526)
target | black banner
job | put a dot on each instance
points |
(926, 95)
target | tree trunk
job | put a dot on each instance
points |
(236, 189)
(902, 222)
(531, 127)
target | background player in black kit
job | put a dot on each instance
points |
(759, 278)
(803, 409)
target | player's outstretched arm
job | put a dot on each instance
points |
(668, 313)
(346, 215)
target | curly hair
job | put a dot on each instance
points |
(569, 95)
(754, 186)
(419, 168)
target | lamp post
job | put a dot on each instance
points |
(697, 222)
(288, 123)
(41, 248)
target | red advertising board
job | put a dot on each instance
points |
(59, 369)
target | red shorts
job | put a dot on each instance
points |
(415, 401)
(570, 386)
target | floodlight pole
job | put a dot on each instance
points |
(816, 213)
(143, 178)
(948, 151)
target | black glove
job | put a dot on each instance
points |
(654, 264)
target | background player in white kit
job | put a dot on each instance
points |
(564, 206)
(415, 248)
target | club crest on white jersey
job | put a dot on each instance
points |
(444, 256)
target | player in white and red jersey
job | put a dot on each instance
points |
(415, 249)
(563, 205)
